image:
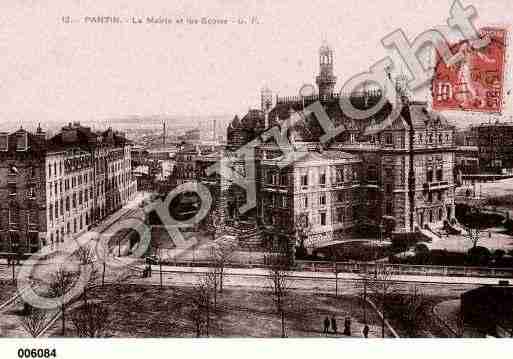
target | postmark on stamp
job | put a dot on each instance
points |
(476, 82)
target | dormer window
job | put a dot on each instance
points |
(21, 141)
(4, 141)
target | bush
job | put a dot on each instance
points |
(421, 248)
(499, 254)
(478, 256)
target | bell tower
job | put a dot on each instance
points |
(325, 80)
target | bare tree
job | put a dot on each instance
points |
(86, 256)
(363, 284)
(279, 285)
(301, 231)
(200, 307)
(383, 286)
(460, 323)
(91, 320)
(221, 254)
(34, 321)
(412, 305)
(60, 283)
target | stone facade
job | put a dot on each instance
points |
(53, 189)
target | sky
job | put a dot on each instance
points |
(55, 72)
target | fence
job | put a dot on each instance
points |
(406, 269)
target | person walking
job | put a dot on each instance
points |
(326, 325)
(347, 326)
(334, 324)
(366, 331)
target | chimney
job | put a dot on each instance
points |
(214, 130)
(164, 133)
(40, 134)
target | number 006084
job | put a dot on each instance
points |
(37, 353)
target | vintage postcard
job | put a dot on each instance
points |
(337, 175)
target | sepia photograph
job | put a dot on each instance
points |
(335, 172)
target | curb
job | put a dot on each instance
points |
(392, 330)
(442, 322)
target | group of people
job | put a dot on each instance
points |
(347, 326)
(146, 271)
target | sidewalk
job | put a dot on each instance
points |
(262, 272)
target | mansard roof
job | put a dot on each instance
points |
(253, 119)
(298, 158)
(35, 144)
(235, 122)
(309, 129)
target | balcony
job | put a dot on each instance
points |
(432, 186)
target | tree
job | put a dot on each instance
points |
(382, 286)
(91, 320)
(86, 256)
(413, 306)
(301, 230)
(363, 284)
(221, 254)
(279, 285)
(34, 321)
(60, 283)
(200, 306)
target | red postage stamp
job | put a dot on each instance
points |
(476, 82)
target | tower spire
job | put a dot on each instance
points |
(325, 80)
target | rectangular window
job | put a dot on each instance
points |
(304, 180)
(12, 189)
(269, 177)
(339, 175)
(322, 199)
(322, 179)
(323, 218)
(429, 175)
(439, 174)
(372, 173)
(388, 139)
(31, 192)
(388, 208)
(305, 202)
(283, 180)
(340, 215)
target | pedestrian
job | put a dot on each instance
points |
(334, 324)
(326, 325)
(347, 326)
(366, 331)
(149, 270)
